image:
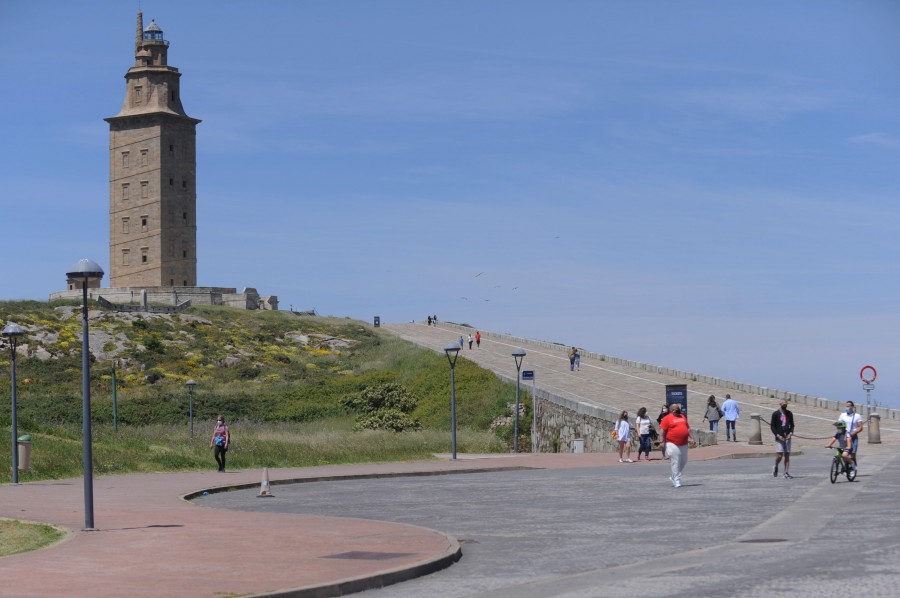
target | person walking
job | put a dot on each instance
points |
(854, 422)
(471, 340)
(477, 339)
(732, 412)
(577, 360)
(572, 353)
(643, 426)
(713, 414)
(662, 414)
(623, 436)
(221, 438)
(429, 320)
(675, 435)
(782, 426)
(461, 342)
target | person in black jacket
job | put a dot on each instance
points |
(782, 425)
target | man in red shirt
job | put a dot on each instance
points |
(675, 434)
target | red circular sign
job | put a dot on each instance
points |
(868, 374)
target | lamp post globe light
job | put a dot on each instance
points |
(13, 332)
(518, 354)
(86, 270)
(191, 384)
(452, 351)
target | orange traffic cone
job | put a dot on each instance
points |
(264, 489)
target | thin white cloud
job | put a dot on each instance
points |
(880, 139)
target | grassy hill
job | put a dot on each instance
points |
(277, 377)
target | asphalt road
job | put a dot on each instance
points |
(731, 530)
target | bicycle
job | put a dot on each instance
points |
(839, 466)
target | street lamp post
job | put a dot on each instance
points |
(13, 332)
(518, 355)
(452, 351)
(86, 270)
(191, 384)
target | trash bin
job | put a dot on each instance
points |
(25, 452)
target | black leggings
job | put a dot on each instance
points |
(220, 456)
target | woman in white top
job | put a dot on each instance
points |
(642, 424)
(623, 435)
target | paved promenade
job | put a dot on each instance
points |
(151, 542)
(619, 387)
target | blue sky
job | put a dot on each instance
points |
(705, 185)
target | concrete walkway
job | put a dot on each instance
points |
(619, 387)
(152, 542)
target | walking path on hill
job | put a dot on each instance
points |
(619, 387)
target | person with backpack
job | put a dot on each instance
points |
(220, 440)
(713, 414)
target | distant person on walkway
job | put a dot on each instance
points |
(662, 414)
(675, 434)
(572, 353)
(732, 411)
(434, 319)
(713, 414)
(577, 360)
(643, 426)
(471, 340)
(429, 320)
(623, 436)
(782, 425)
(477, 339)
(220, 439)
(461, 342)
(854, 423)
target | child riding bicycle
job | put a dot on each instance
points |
(841, 438)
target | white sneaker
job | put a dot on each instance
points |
(629, 461)
(620, 461)
(677, 484)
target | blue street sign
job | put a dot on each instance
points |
(527, 374)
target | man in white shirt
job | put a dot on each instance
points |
(854, 423)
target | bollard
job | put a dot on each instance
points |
(755, 428)
(875, 429)
(264, 489)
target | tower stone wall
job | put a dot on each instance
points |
(152, 174)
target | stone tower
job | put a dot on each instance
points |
(152, 174)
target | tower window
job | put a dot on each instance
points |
(144, 157)
(137, 95)
(126, 225)
(171, 182)
(145, 189)
(125, 156)
(125, 254)
(171, 283)
(184, 184)
(144, 223)
(184, 283)
(184, 216)
(184, 253)
(171, 148)
(125, 190)
(144, 251)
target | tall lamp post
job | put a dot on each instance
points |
(85, 270)
(518, 355)
(191, 384)
(13, 332)
(452, 351)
